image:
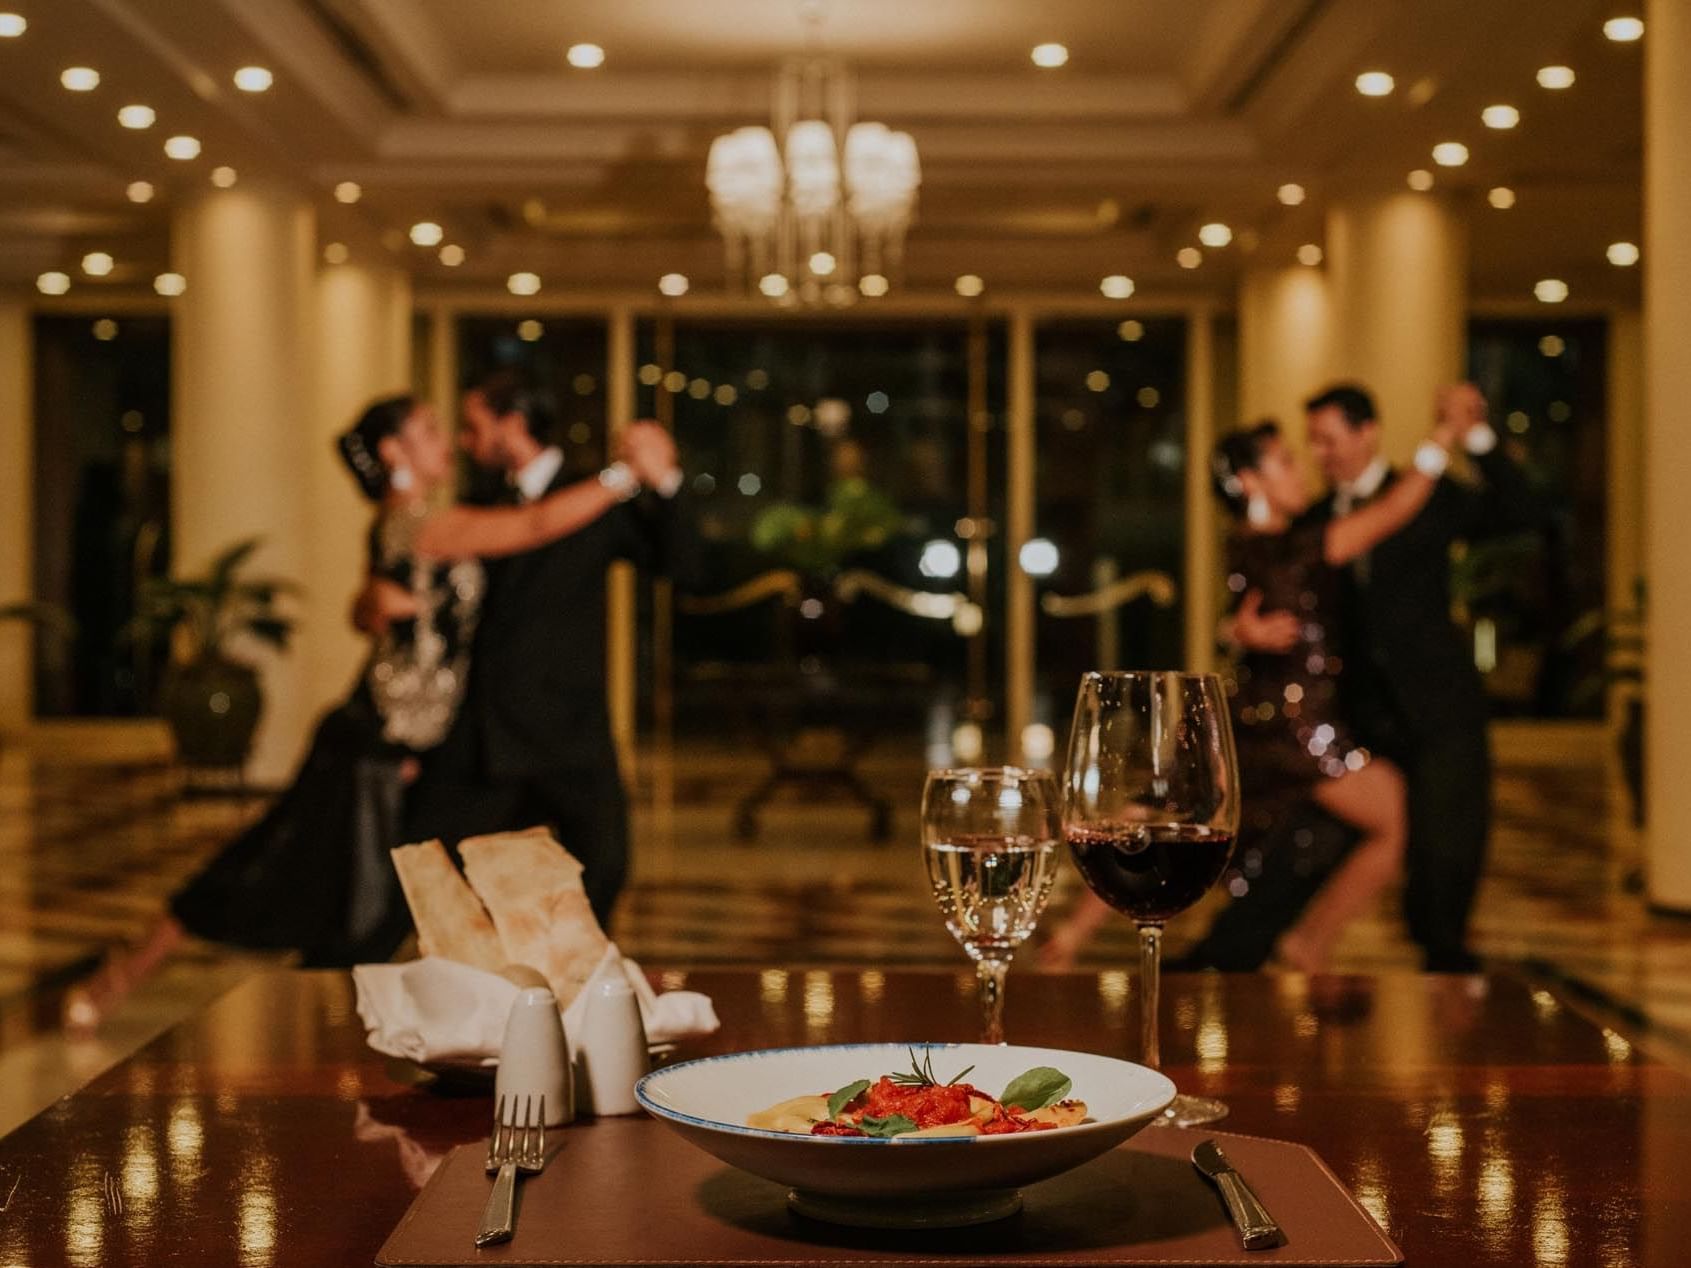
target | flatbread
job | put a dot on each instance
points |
(532, 888)
(450, 922)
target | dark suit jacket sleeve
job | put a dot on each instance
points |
(655, 534)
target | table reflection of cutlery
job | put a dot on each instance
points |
(1256, 1227)
(512, 1147)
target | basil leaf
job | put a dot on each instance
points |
(891, 1125)
(1037, 1088)
(845, 1096)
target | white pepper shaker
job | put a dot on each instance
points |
(613, 1053)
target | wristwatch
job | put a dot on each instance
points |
(620, 479)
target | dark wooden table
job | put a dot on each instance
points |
(1482, 1121)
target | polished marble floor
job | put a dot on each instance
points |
(94, 834)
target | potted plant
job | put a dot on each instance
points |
(210, 697)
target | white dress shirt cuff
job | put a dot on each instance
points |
(670, 484)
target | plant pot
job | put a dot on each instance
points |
(212, 706)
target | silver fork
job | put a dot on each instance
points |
(512, 1147)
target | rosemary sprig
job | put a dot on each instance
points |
(921, 1072)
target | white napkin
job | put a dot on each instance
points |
(434, 1009)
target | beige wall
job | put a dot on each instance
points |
(17, 507)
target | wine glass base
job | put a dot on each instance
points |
(1191, 1111)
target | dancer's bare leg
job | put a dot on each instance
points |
(88, 1004)
(1373, 801)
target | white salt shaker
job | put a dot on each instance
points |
(534, 1060)
(613, 1053)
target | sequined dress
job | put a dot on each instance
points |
(1288, 723)
(313, 874)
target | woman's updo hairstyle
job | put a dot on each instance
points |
(1241, 451)
(360, 445)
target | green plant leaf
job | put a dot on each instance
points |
(845, 1096)
(891, 1125)
(1036, 1088)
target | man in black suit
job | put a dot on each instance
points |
(532, 742)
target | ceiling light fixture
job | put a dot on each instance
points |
(426, 233)
(969, 285)
(1501, 197)
(1450, 154)
(348, 192)
(1556, 78)
(773, 285)
(1310, 254)
(12, 25)
(223, 177)
(812, 188)
(136, 118)
(1116, 286)
(1049, 56)
(1500, 117)
(1624, 30)
(54, 283)
(139, 192)
(1623, 255)
(1552, 290)
(1420, 180)
(1291, 194)
(182, 148)
(585, 56)
(523, 283)
(1375, 83)
(673, 284)
(1215, 235)
(452, 255)
(254, 79)
(170, 284)
(97, 264)
(873, 285)
(80, 78)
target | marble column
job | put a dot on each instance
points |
(1397, 265)
(1203, 523)
(1624, 522)
(1020, 619)
(1285, 345)
(362, 351)
(242, 439)
(1667, 448)
(17, 510)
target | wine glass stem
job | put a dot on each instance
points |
(990, 974)
(1150, 984)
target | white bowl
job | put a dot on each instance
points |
(931, 1181)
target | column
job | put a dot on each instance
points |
(362, 343)
(1397, 265)
(1625, 519)
(1019, 628)
(17, 510)
(621, 634)
(1667, 447)
(1203, 531)
(1285, 345)
(242, 397)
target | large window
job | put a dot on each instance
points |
(102, 432)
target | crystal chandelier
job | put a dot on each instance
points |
(815, 207)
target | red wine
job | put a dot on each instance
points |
(1150, 872)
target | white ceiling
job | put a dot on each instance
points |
(1169, 113)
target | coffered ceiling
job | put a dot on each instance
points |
(1168, 114)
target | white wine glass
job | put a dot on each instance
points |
(989, 838)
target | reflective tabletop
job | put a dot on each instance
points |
(1481, 1120)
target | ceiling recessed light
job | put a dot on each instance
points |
(1116, 286)
(523, 283)
(135, 118)
(969, 285)
(1131, 331)
(170, 284)
(1552, 290)
(426, 233)
(1375, 83)
(182, 148)
(1500, 117)
(1420, 180)
(822, 263)
(80, 78)
(530, 330)
(452, 255)
(254, 79)
(105, 330)
(586, 56)
(1049, 56)
(348, 192)
(1291, 194)
(12, 25)
(54, 283)
(672, 284)
(1556, 77)
(1624, 30)
(873, 285)
(773, 285)
(1310, 254)
(96, 264)
(223, 177)
(1450, 154)
(1501, 197)
(1188, 257)
(336, 253)
(1215, 235)
(140, 192)
(1623, 255)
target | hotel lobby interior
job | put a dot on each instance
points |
(940, 310)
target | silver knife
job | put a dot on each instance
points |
(1256, 1227)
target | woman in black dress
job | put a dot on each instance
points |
(313, 874)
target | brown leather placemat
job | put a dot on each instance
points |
(630, 1191)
